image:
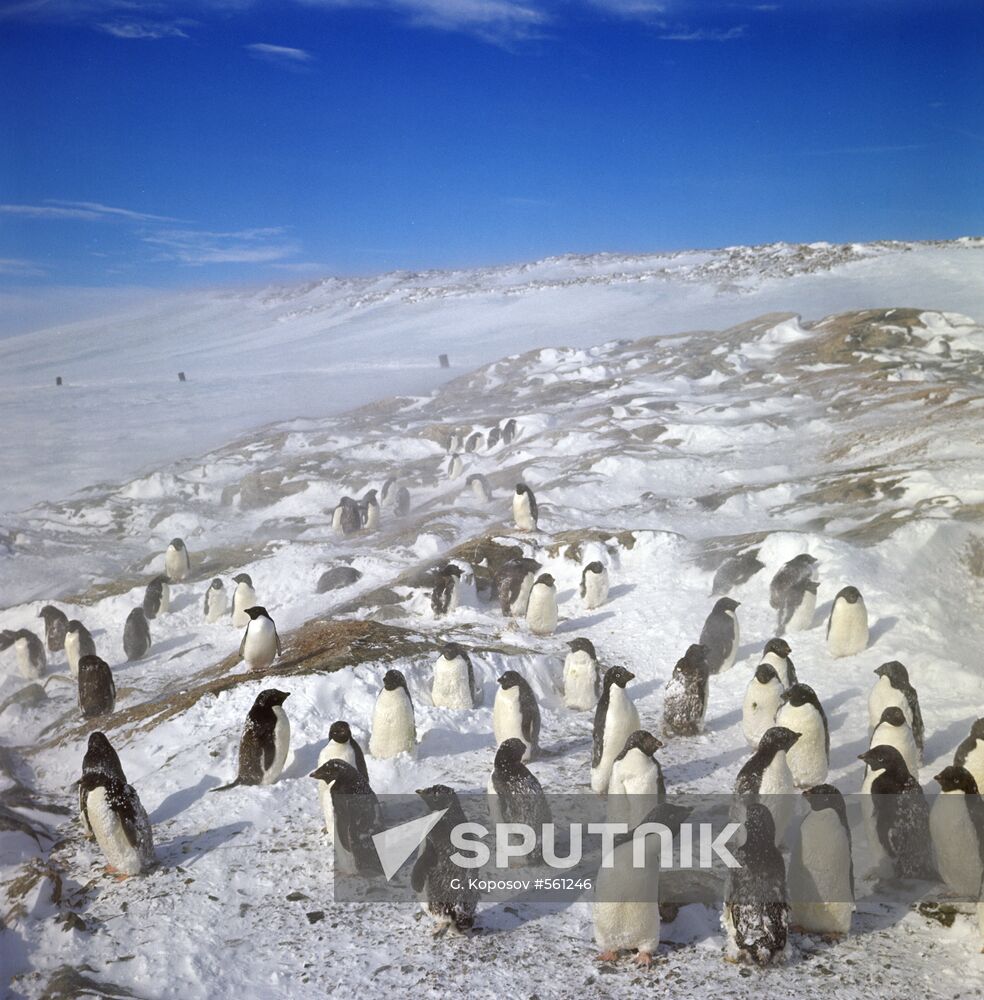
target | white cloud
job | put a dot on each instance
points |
(245, 246)
(57, 208)
(279, 53)
(704, 34)
(144, 29)
(19, 268)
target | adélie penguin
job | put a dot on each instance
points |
(893, 731)
(100, 758)
(177, 562)
(356, 816)
(802, 712)
(777, 653)
(616, 719)
(265, 741)
(29, 650)
(793, 594)
(515, 713)
(515, 794)
(636, 785)
(260, 645)
(514, 581)
(525, 510)
(721, 635)
(766, 777)
(341, 745)
(762, 699)
(956, 823)
(97, 689)
(541, 611)
(893, 688)
(582, 676)
(118, 821)
(685, 699)
(78, 643)
(346, 518)
(157, 598)
(136, 635)
(369, 510)
(479, 486)
(55, 627)
(594, 585)
(243, 597)
(970, 753)
(445, 595)
(454, 683)
(394, 729)
(216, 601)
(847, 626)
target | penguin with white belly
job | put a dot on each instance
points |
(55, 627)
(685, 699)
(346, 518)
(525, 510)
(616, 719)
(243, 597)
(78, 643)
(216, 601)
(541, 611)
(802, 712)
(369, 510)
(721, 635)
(177, 561)
(762, 699)
(594, 585)
(514, 581)
(341, 745)
(261, 643)
(455, 467)
(394, 729)
(97, 689)
(893, 730)
(473, 441)
(893, 689)
(970, 753)
(136, 635)
(793, 594)
(454, 683)
(118, 822)
(847, 626)
(582, 676)
(447, 587)
(515, 713)
(479, 487)
(29, 650)
(515, 794)
(509, 430)
(766, 777)
(356, 816)
(821, 870)
(157, 598)
(637, 785)
(265, 741)
(100, 758)
(777, 653)
(956, 823)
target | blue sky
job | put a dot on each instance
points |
(187, 143)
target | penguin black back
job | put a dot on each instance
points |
(898, 677)
(55, 627)
(136, 635)
(97, 689)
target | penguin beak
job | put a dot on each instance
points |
(863, 756)
(938, 777)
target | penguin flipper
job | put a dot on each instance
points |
(276, 636)
(242, 645)
(422, 867)
(225, 788)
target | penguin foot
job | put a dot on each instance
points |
(607, 956)
(832, 937)
(439, 931)
(643, 959)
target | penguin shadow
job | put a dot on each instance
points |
(439, 742)
(506, 917)
(722, 722)
(821, 614)
(579, 624)
(621, 590)
(183, 601)
(171, 643)
(835, 702)
(846, 755)
(943, 742)
(563, 596)
(187, 850)
(704, 766)
(882, 626)
(177, 802)
(304, 760)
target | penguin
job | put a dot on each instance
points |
(394, 730)
(756, 907)
(509, 429)
(118, 821)
(685, 699)
(97, 689)
(802, 712)
(261, 644)
(55, 627)
(445, 895)
(970, 753)
(721, 635)
(445, 595)
(777, 653)
(454, 680)
(525, 510)
(847, 626)
(78, 643)
(473, 441)
(455, 466)
(216, 601)
(177, 562)
(495, 436)
(515, 713)
(387, 492)
(243, 597)
(454, 443)
(893, 731)
(346, 519)
(616, 719)
(100, 758)
(956, 824)
(514, 582)
(265, 741)
(157, 598)
(767, 777)
(479, 486)
(515, 795)
(31, 658)
(594, 585)
(402, 502)
(900, 815)
(341, 745)
(541, 611)
(355, 816)
(821, 870)
(893, 688)
(793, 594)
(582, 676)
(762, 699)
(136, 635)
(637, 784)
(369, 511)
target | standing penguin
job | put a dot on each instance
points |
(387, 492)
(594, 585)
(956, 824)
(78, 643)
(802, 712)
(893, 688)
(893, 731)
(355, 816)
(762, 699)
(495, 436)
(402, 502)
(97, 689)
(525, 511)
(721, 635)
(970, 753)
(346, 518)
(766, 777)
(685, 700)
(777, 653)
(541, 611)
(514, 581)
(445, 595)
(100, 758)
(582, 676)
(445, 895)
(261, 644)
(455, 466)
(756, 911)
(177, 562)
(636, 785)
(847, 626)
(793, 594)
(136, 635)
(243, 597)
(473, 441)
(901, 816)
(394, 730)
(515, 794)
(821, 870)
(265, 741)
(341, 745)
(515, 713)
(454, 680)
(157, 598)
(216, 601)
(31, 658)
(509, 430)
(118, 821)
(479, 486)
(55, 627)
(369, 510)
(616, 719)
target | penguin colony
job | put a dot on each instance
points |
(786, 884)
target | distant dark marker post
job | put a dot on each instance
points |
(443, 358)
(58, 380)
(181, 377)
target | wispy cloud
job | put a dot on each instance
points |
(18, 268)
(57, 208)
(244, 246)
(279, 53)
(145, 29)
(704, 34)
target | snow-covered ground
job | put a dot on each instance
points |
(857, 439)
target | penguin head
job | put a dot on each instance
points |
(510, 679)
(271, 697)
(100, 754)
(75, 626)
(437, 796)
(619, 676)
(765, 673)
(522, 488)
(370, 495)
(642, 740)
(799, 695)
(394, 679)
(896, 673)
(977, 729)
(893, 716)
(243, 578)
(336, 770)
(822, 797)
(668, 814)
(510, 753)
(582, 645)
(257, 612)
(594, 567)
(51, 614)
(137, 615)
(451, 651)
(177, 544)
(884, 758)
(216, 584)
(778, 738)
(956, 779)
(450, 570)
(91, 662)
(850, 594)
(546, 580)
(780, 647)
(803, 559)
(340, 732)
(695, 658)
(726, 604)
(97, 778)
(156, 586)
